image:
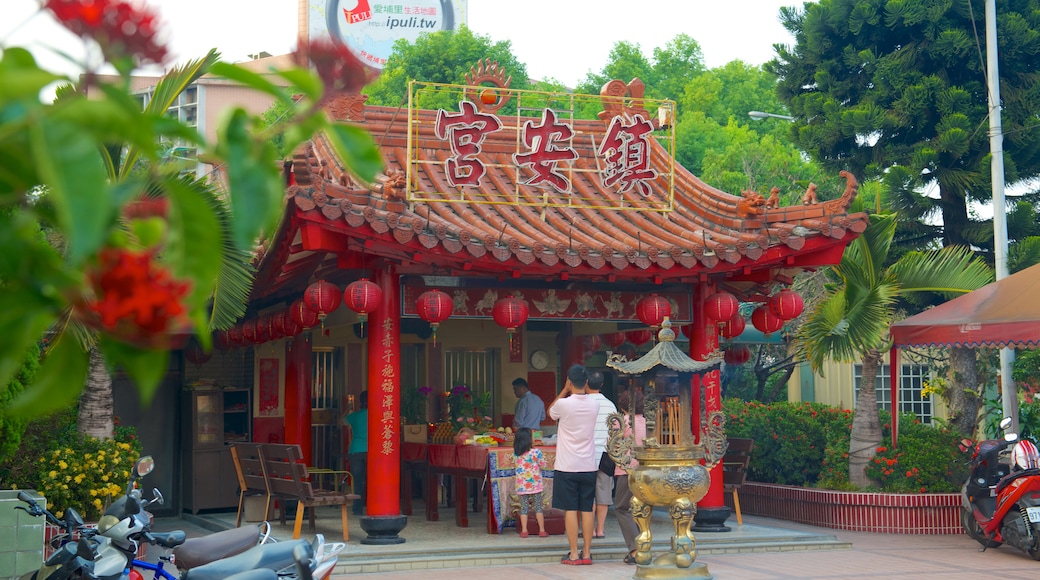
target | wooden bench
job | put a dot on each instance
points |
(734, 469)
(287, 479)
(252, 479)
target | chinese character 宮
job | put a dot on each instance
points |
(626, 149)
(543, 141)
(465, 131)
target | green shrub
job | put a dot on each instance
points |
(807, 444)
(71, 470)
(926, 461)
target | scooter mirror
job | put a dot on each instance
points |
(144, 466)
(1005, 423)
(1010, 436)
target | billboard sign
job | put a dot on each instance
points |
(370, 27)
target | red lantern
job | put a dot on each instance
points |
(290, 326)
(195, 354)
(303, 315)
(737, 354)
(235, 337)
(733, 327)
(277, 324)
(511, 313)
(222, 339)
(434, 307)
(639, 337)
(265, 328)
(786, 304)
(362, 296)
(721, 306)
(591, 343)
(764, 320)
(323, 298)
(249, 332)
(614, 339)
(652, 310)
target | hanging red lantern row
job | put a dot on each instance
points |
(786, 304)
(614, 339)
(652, 310)
(434, 307)
(639, 337)
(323, 298)
(249, 332)
(302, 315)
(733, 327)
(263, 330)
(721, 306)
(511, 313)
(765, 321)
(195, 354)
(363, 296)
(737, 354)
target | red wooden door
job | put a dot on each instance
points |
(543, 384)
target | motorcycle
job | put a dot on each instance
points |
(126, 524)
(71, 559)
(1000, 501)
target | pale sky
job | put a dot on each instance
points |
(563, 39)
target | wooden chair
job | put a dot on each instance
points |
(287, 478)
(734, 469)
(252, 479)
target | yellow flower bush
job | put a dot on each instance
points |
(89, 478)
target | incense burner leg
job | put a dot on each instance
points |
(683, 543)
(641, 512)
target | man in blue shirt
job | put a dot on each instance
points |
(530, 410)
(357, 453)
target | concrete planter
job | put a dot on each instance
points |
(890, 513)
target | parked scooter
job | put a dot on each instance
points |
(1001, 498)
(126, 524)
(71, 559)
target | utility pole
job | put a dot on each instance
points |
(1009, 394)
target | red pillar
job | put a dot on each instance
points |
(384, 398)
(298, 393)
(704, 340)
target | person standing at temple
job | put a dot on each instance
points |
(605, 475)
(357, 452)
(529, 464)
(631, 402)
(530, 410)
(574, 475)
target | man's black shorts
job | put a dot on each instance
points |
(574, 491)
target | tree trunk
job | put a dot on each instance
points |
(866, 427)
(95, 402)
(962, 392)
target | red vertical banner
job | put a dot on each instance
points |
(704, 340)
(384, 399)
(516, 346)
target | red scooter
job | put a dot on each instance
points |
(1001, 499)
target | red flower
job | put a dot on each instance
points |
(131, 289)
(121, 28)
(339, 68)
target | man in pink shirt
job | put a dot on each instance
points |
(574, 475)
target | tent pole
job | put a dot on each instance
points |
(893, 385)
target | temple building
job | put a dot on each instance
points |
(504, 239)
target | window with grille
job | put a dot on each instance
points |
(475, 368)
(911, 388)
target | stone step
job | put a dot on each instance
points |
(374, 562)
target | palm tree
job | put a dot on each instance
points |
(851, 322)
(234, 280)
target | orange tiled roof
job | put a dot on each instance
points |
(710, 232)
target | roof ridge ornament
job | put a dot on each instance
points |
(487, 71)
